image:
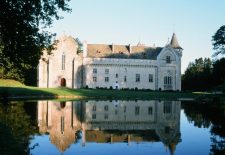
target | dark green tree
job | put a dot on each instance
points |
(219, 72)
(218, 41)
(17, 127)
(23, 35)
(198, 75)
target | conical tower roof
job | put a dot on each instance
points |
(174, 43)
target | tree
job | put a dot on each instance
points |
(219, 71)
(218, 41)
(23, 35)
(17, 127)
(198, 75)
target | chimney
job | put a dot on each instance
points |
(85, 49)
(130, 48)
(112, 47)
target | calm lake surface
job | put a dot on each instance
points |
(112, 127)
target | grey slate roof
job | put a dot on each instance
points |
(174, 43)
(122, 51)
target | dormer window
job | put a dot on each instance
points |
(168, 60)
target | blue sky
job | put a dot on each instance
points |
(148, 21)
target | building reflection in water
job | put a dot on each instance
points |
(110, 122)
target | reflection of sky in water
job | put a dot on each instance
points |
(193, 141)
(133, 148)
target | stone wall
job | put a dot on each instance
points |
(121, 72)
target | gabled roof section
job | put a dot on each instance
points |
(174, 43)
(122, 51)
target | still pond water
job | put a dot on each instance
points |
(112, 127)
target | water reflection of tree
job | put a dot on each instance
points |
(211, 114)
(16, 128)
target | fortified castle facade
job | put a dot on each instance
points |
(75, 65)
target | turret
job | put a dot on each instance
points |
(174, 43)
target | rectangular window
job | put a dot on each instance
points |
(125, 78)
(124, 109)
(94, 108)
(95, 71)
(106, 71)
(167, 80)
(116, 112)
(137, 77)
(137, 110)
(63, 62)
(93, 116)
(116, 75)
(168, 60)
(150, 78)
(167, 107)
(94, 79)
(106, 108)
(150, 110)
(106, 79)
(106, 116)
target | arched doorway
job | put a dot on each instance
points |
(62, 105)
(63, 82)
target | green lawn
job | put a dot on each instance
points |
(10, 88)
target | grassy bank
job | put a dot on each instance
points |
(15, 90)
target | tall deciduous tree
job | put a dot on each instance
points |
(218, 41)
(23, 35)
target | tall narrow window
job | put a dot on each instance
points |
(124, 109)
(168, 60)
(167, 107)
(63, 61)
(62, 124)
(137, 77)
(106, 107)
(137, 110)
(125, 78)
(150, 110)
(116, 75)
(150, 78)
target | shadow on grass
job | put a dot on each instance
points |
(10, 92)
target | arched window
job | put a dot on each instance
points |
(63, 82)
(62, 105)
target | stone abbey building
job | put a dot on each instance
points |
(75, 65)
